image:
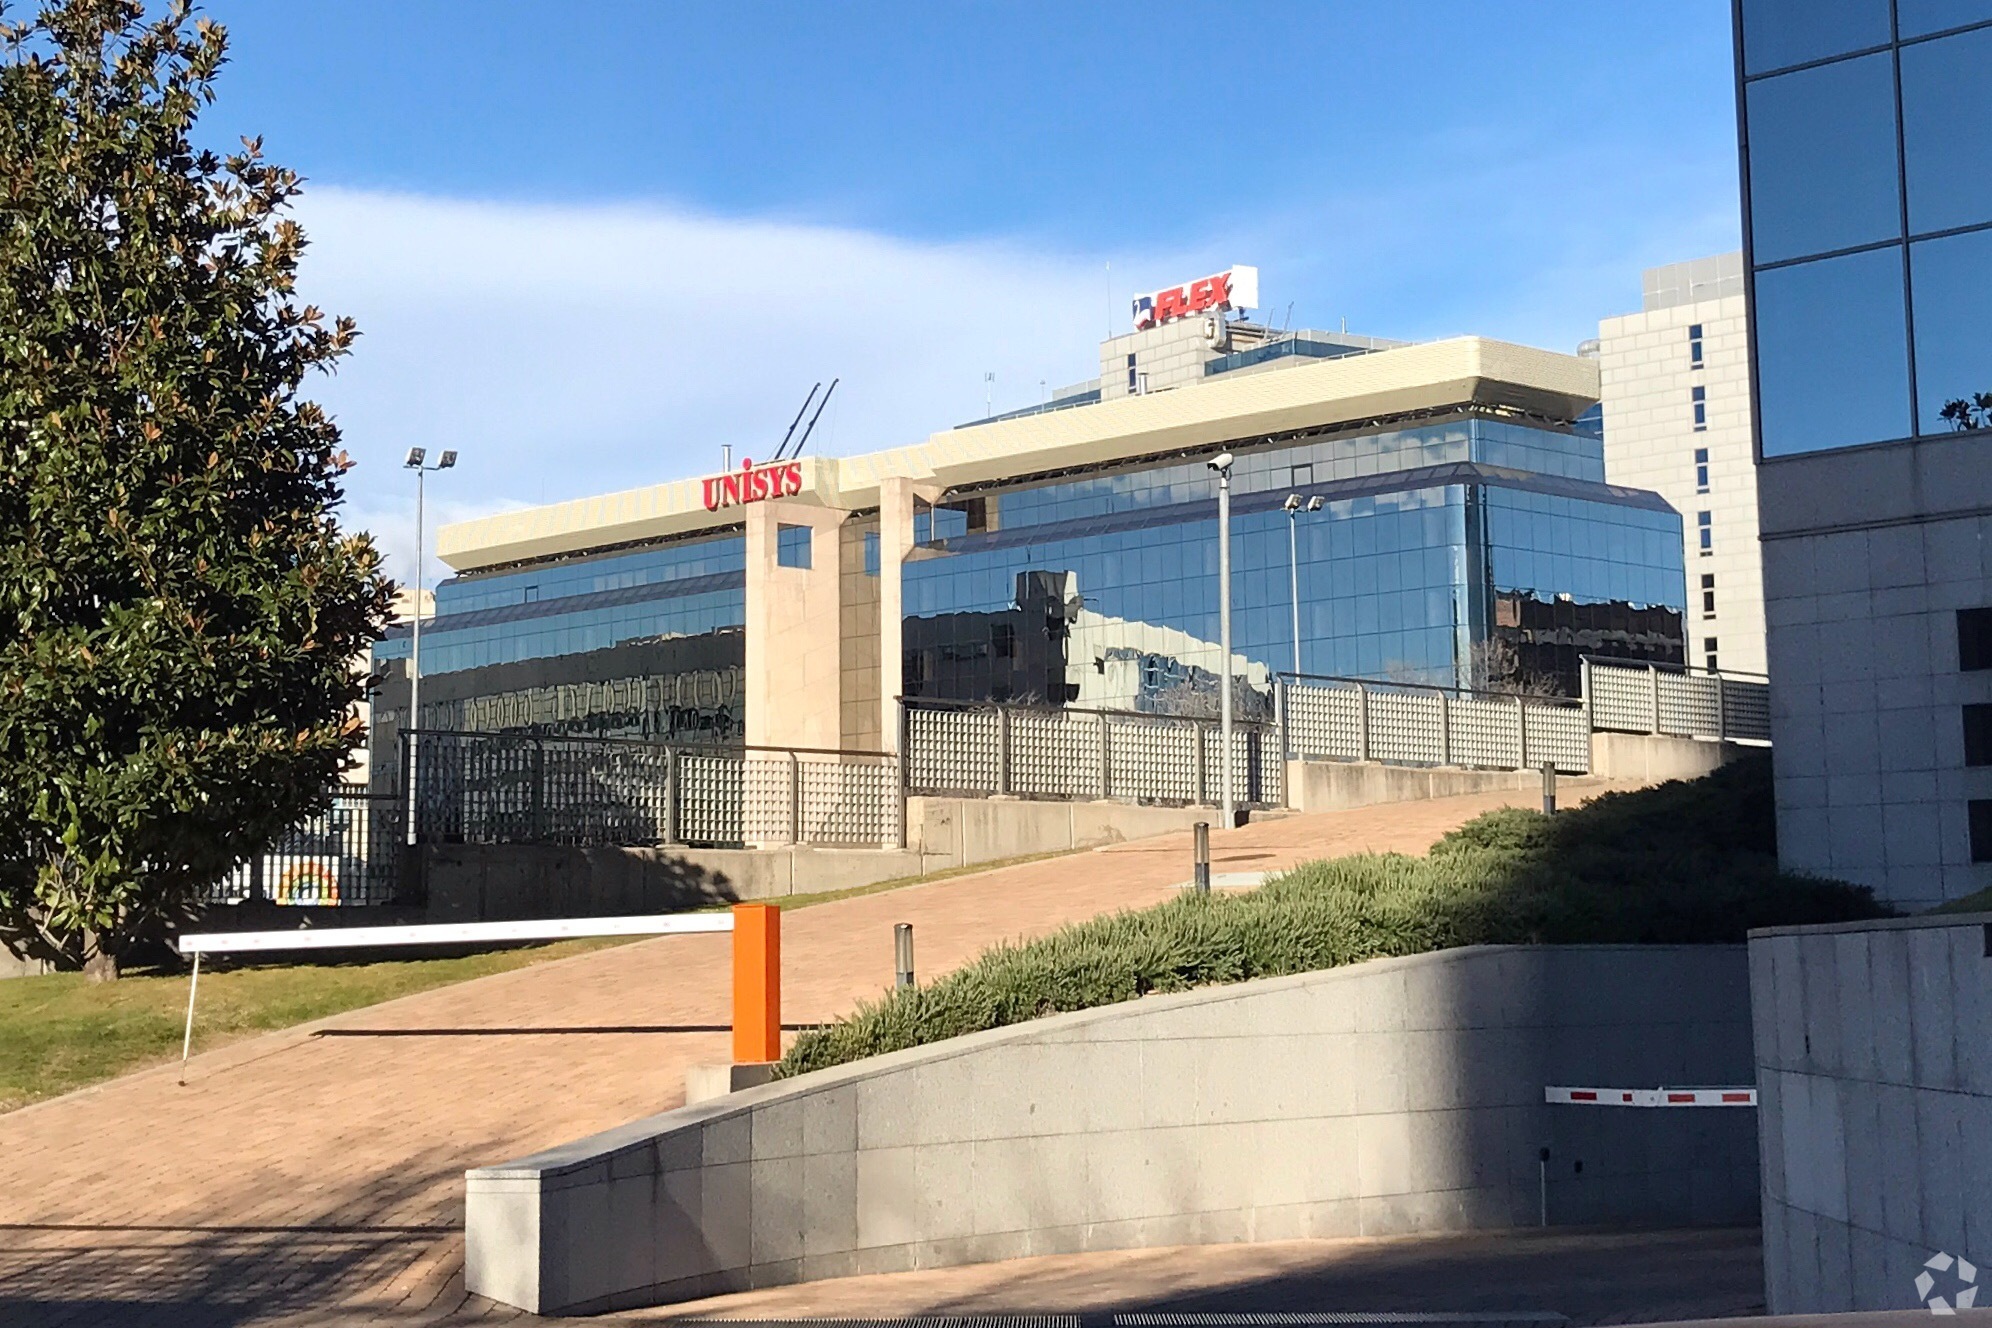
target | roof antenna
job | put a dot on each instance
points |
(817, 416)
(797, 420)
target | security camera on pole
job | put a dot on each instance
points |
(416, 457)
(1221, 463)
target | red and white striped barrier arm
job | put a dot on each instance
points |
(1652, 1097)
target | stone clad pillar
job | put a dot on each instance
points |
(793, 662)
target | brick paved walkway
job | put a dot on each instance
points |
(315, 1175)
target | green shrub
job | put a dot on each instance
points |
(1684, 863)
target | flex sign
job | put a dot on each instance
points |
(1236, 289)
(749, 485)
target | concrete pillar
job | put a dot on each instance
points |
(794, 661)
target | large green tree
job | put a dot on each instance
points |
(179, 609)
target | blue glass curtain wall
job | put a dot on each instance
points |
(1393, 585)
(642, 567)
(450, 644)
(1870, 218)
(673, 590)
(1574, 455)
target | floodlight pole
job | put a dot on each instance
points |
(418, 462)
(1293, 572)
(415, 652)
(1229, 803)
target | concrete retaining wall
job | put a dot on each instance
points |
(471, 882)
(1327, 786)
(1401, 1095)
(1874, 1073)
(1653, 759)
(963, 831)
(489, 882)
(15, 964)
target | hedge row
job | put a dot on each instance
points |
(1686, 862)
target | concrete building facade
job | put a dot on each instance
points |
(1675, 383)
(1868, 236)
(1875, 1097)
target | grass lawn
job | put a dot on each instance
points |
(59, 1032)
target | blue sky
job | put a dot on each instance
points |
(588, 244)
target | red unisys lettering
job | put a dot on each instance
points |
(782, 480)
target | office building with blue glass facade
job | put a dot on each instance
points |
(1463, 534)
(1865, 136)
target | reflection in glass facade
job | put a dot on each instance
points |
(1869, 315)
(639, 644)
(1102, 591)
(1818, 387)
(1780, 33)
(676, 590)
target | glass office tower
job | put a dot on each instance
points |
(1865, 142)
(1430, 543)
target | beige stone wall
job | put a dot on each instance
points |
(795, 660)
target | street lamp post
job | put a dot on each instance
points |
(1222, 465)
(1293, 508)
(415, 462)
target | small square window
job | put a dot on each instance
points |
(1974, 639)
(1979, 812)
(1978, 735)
(792, 546)
(1694, 345)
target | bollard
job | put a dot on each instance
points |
(902, 955)
(1542, 1180)
(1548, 788)
(1200, 873)
(757, 984)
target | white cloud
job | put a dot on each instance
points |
(574, 350)
(566, 351)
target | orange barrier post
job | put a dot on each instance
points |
(757, 983)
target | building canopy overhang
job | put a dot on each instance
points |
(1461, 373)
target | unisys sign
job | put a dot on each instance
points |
(749, 485)
(1236, 289)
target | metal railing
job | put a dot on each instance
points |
(348, 854)
(1357, 719)
(1671, 701)
(507, 788)
(1001, 749)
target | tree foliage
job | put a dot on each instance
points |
(1973, 412)
(181, 609)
